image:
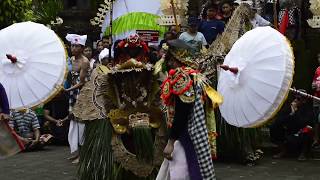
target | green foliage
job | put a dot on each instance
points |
(47, 11)
(12, 11)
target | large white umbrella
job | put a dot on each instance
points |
(261, 67)
(32, 64)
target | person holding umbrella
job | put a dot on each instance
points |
(10, 144)
(292, 130)
(4, 104)
(79, 70)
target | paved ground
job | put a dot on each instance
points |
(51, 164)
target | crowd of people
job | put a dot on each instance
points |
(296, 127)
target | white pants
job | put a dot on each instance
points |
(177, 168)
(75, 136)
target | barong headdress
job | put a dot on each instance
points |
(182, 52)
(77, 39)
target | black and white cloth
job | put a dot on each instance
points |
(293, 13)
(199, 135)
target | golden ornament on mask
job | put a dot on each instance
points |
(120, 119)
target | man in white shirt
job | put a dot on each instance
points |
(193, 37)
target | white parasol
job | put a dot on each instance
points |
(261, 67)
(32, 64)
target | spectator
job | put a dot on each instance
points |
(316, 104)
(106, 42)
(87, 52)
(211, 27)
(227, 10)
(56, 113)
(235, 5)
(99, 46)
(104, 57)
(25, 123)
(175, 30)
(154, 54)
(205, 6)
(192, 36)
(39, 112)
(256, 20)
(167, 37)
(293, 129)
(98, 50)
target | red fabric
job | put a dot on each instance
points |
(9, 142)
(15, 136)
(284, 23)
(316, 80)
(306, 130)
(166, 96)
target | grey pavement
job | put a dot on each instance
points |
(51, 164)
(48, 164)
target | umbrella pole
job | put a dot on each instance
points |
(304, 94)
(111, 22)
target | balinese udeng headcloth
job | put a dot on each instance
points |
(104, 54)
(77, 39)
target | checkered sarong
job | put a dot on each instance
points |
(292, 12)
(199, 135)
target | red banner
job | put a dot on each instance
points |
(149, 36)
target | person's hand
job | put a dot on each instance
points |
(59, 123)
(294, 107)
(318, 86)
(167, 152)
(4, 117)
(65, 90)
(33, 143)
(25, 140)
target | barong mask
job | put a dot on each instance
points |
(132, 49)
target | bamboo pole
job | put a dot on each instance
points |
(304, 94)
(275, 15)
(111, 22)
(175, 15)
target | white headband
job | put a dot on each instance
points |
(77, 39)
(104, 53)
